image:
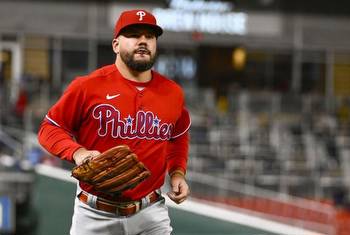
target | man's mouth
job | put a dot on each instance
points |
(142, 51)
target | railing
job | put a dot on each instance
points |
(15, 146)
(313, 215)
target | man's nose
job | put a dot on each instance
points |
(143, 38)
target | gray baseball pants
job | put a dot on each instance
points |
(152, 220)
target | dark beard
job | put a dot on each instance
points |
(139, 66)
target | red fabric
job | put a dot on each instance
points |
(139, 84)
(103, 110)
(178, 147)
(57, 141)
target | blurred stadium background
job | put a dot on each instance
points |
(267, 83)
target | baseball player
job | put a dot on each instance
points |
(124, 103)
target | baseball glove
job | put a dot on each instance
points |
(113, 171)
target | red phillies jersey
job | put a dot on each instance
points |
(104, 109)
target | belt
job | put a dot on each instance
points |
(121, 209)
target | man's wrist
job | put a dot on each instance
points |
(177, 172)
(78, 154)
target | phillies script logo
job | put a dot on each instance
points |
(144, 126)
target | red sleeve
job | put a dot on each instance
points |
(67, 113)
(179, 144)
(57, 141)
(56, 133)
(178, 153)
(182, 125)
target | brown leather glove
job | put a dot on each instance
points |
(113, 171)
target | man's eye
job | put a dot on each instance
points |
(133, 35)
(138, 35)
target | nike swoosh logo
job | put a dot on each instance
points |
(109, 97)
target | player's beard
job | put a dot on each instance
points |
(137, 65)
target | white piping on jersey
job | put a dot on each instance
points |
(188, 127)
(51, 120)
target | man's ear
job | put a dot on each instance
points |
(115, 44)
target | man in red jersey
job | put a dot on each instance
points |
(124, 103)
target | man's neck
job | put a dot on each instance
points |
(133, 75)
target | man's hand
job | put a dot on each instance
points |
(179, 188)
(83, 154)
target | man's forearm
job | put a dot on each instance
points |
(57, 141)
